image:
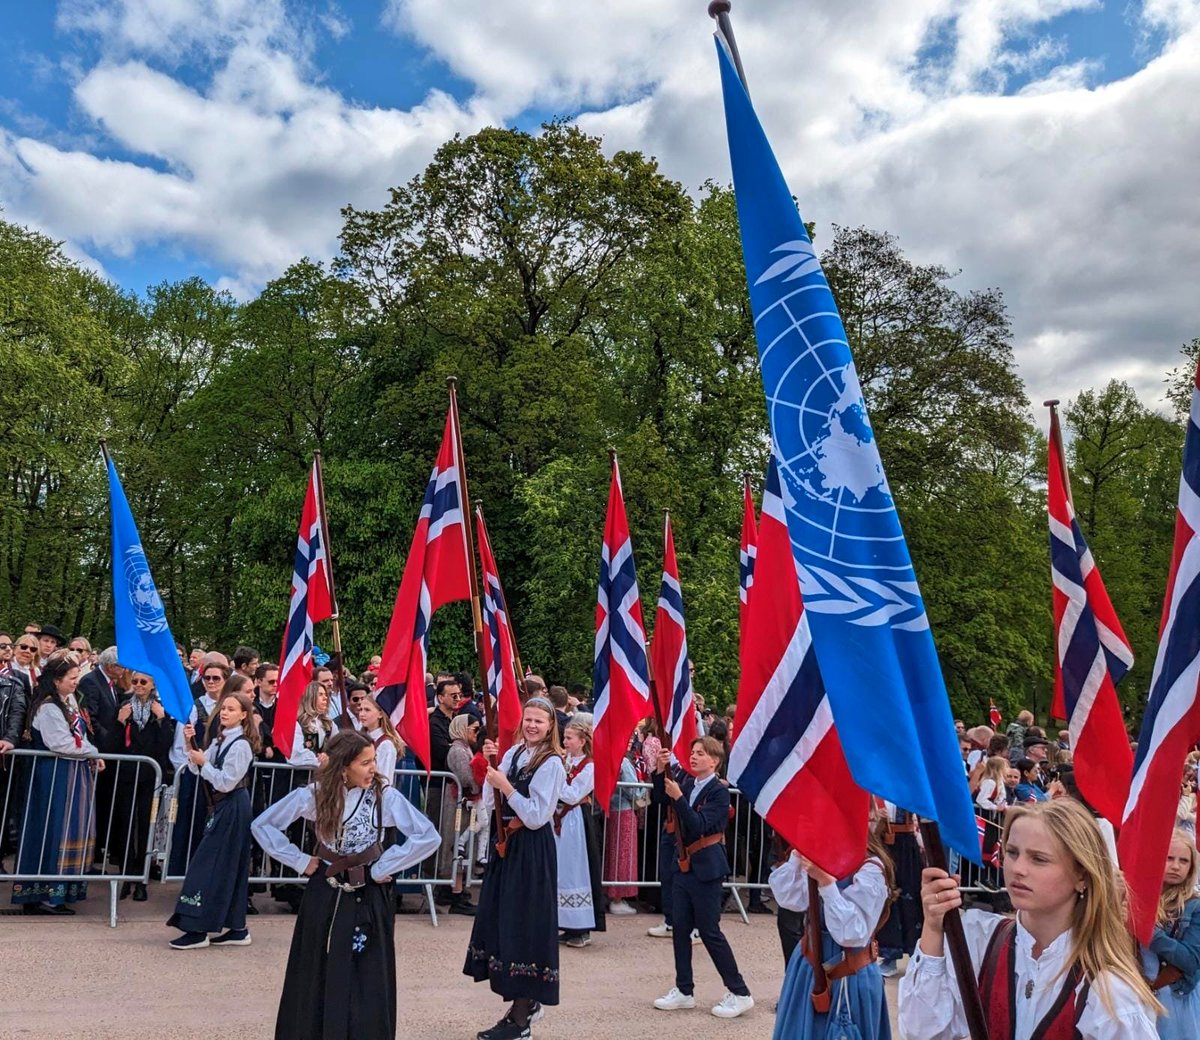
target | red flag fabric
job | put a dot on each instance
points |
(669, 656)
(994, 716)
(310, 602)
(747, 558)
(499, 644)
(786, 753)
(435, 573)
(1093, 654)
(621, 675)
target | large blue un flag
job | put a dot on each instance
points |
(870, 629)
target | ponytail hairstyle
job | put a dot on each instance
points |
(385, 723)
(1100, 944)
(309, 718)
(249, 729)
(1174, 897)
(550, 746)
(330, 784)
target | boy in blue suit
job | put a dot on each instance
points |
(700, 806)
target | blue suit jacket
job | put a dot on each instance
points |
(710, 815)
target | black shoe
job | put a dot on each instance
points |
(443, 897)
(62, 911)
(140, 895)
(759, 908)
(36, 910)
(466, 908)
(505, 1029)
(126, 889)
(251, 909)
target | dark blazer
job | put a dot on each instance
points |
(102, 704)
(710, 815)
(14, 706)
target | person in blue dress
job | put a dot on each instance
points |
(852, 911)
(1171, 963)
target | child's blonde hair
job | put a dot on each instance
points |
(1174, 897)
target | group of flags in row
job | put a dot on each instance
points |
(840, 691)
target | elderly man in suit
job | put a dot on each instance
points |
(100, 692)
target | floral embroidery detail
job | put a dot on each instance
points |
(358, 942)
(195, 900)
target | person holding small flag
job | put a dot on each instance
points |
(1063, 966)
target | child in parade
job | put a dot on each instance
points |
(341, 973)
(216, 888)
(701, 814)
(1172, 960)
(851, 910)
(580, 910)
(62, 792)
(379, 730)
(1064, 965)
(514, 943)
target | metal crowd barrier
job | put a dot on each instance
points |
(38, 792)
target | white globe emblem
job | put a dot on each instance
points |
(147, 604)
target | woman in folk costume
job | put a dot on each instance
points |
(1172, 960)
(1064, 966)
(341, 973)
(59, 832)
(514, 943)
(580, 906)
(216, 888)
(851, 910)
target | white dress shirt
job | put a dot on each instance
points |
(851, 914)
(57, 735)
(544, 788)
(385, 756)
(237, 761)
(931, 1008)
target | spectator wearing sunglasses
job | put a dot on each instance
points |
(24, 662)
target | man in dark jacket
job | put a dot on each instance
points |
(14, 701)
(101, 697)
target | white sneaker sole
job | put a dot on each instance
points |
(234, 942)
(675, 1007)
(194, 946)
(721, 1012)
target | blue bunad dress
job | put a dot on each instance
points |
(1177, 946)
(850, 913)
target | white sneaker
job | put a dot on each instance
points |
(695, 936)
(620, 907)
(732, 1005)
(676, 1001)
(661, 931)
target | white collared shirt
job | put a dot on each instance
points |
(700, 786)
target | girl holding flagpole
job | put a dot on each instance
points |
(1063, 966)
(514, 942)
(1172, 960)
(341, 974)
(852, 910)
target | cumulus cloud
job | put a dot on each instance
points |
(1077, 199)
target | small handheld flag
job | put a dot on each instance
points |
(144, 640)
(621, 676)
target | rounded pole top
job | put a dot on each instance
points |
(612, 454)
(452, 381)
(719, 7)
(1052, 402)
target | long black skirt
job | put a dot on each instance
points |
(902, 929)
(595, 861)
(341, 971)
(214, 892)
(514, 943)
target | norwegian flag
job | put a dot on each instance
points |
(436, 572)
(499, 643)
(747, 557)
(621, 676)
(786, 753)
(991, 856)
(311, 602)
(994, 716)
(1093, 654)
(669, 656)
(1171, 724)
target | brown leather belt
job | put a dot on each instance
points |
(510, 828)
(685, 861)
(563, 810)
(348, 872)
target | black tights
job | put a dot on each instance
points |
(521, 1009)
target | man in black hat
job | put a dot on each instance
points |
(1037, 750)
(49, 640)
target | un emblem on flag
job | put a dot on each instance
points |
(147, 604)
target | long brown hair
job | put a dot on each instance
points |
(249, 728)
(1174, 897)
(308, 716)
(551, 744)
(330, 786)
(385, 723)
(1100, 944)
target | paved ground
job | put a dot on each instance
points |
(76, 977)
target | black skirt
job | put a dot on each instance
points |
(341, 972)
(902, 929)
(595, 862)
(514, 943)
(214, 892)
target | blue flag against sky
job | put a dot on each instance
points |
(869, 625)
(144, 640)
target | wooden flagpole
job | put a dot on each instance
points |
(339, 669)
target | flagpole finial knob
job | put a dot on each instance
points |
(1051, 403)
(719, 7)
(612, 454)
(451, 381)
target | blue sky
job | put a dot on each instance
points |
(161, 139)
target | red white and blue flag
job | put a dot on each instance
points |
(499, 644)
(621, 675)
(1093, 654)
(994, 716)
(436, 572)
(746, 560)
(669, 656)
(311, 602)
(1171, 723)
(786, 753)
